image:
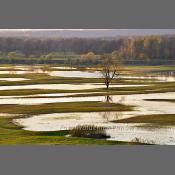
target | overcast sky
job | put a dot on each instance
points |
(84, 32)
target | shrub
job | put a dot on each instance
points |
(89, 131)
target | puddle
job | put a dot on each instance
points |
(78, 74)
(13, 79)
(13, 72)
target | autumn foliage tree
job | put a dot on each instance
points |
(89, 57)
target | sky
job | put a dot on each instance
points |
(84, 32)
(57, 29)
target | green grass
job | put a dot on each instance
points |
(10, 134)
(164, 119)
(21, 92)
(63, 107)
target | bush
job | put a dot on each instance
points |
(89, 131)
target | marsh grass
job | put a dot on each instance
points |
(63, 107)
(161, 119)
(89, 131)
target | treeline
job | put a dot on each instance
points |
(16, 57)
(132, 50)
(148, 48)
(35, 46)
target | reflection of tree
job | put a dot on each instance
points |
(108, 99)
(111, 116)
(122, 99)
(106, 115)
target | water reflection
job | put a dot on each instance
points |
(111, 116)
(117, 131)
(108, 99)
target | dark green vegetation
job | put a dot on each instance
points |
(162, 119)
(89, 131)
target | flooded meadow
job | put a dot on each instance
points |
(148, 94)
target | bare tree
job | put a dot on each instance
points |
(109, 68)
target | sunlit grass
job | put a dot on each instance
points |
(163, 119)
(63, 107)
(11, 134)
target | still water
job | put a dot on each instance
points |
(124, 132)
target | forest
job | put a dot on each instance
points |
(148, 49)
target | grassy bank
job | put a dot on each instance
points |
(159, 100)
(163, 119)
(10, 134)
(63, 107)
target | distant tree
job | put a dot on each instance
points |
(89, 58)
(12, 56)
(109, 69)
